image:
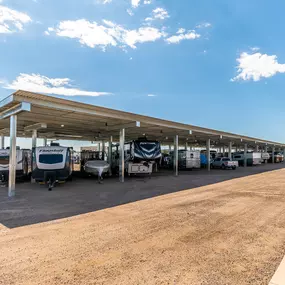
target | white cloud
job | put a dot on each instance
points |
(12, 20)
(42, 84)
(130, 12)
(135, 3)
(142, 35)
(158, 14)
(93, 34)
(105, 1)
(255, 66)
(181, 31)
(204, 25)
(147, 2)
(255, 48)
(151, 95)
(191, 35)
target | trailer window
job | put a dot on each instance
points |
(50, 158)
(4, 159)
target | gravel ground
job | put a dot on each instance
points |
(231, 232)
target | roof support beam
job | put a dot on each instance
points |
(5, 132)
(16, 110)
(123, 126)
(35, 127)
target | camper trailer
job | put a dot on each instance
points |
(278, 157)
(265, 157)
(253, 158)
(187, 159)
(140, 156)
(23, 168)
(52, 164)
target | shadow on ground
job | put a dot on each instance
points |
(34, 204)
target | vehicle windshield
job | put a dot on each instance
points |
(50, 158)
(4, 159)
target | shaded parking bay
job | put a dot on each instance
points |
(230, 232)
(34, 204)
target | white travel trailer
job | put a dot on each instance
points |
(23, 167)
(52, 164)
(252, 158)
(187, 159)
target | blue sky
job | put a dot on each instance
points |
(217, 64)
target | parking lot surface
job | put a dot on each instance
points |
(230, 231)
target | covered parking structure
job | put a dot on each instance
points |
(27, 114)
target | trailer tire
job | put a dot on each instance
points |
(223, 166)
(234, 168)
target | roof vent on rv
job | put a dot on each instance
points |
(54, 144)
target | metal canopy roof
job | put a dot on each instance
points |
(72, 120)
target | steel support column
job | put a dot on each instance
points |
(122, 156)
(186, 146)
(230, 150)
(103, 148)
(110, 154)
(273, 156)
(175, 161)
(34, 138)
(2, 141)
(45, 141)
(208, 147)
(13, 157)
(256, 148)
(245, 155)
(34, 145)
(224, 151)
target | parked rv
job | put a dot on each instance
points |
(52, 164)
(224, 163)
(252, 158)
(23, 167)
(265, 157)
(278, 157)
(187, 159)
(140, 156)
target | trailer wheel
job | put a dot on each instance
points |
(223, 167)
(234, 168)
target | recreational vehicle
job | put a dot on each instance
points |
(187, 159)
(140, 156)
(23, 167)
(278, 157)
(252, 158)
(52, 164)
(265, 157)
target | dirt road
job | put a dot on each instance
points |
(227, 233)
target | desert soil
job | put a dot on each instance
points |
(227, 233)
